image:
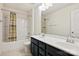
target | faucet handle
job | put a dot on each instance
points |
(73, 35)
(72, 32)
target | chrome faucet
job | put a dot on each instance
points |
(43, 34)
(70, 39)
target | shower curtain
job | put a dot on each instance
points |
(12, 27)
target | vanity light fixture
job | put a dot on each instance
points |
(45, 6)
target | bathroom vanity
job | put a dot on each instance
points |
(39, 48)
(44, 46)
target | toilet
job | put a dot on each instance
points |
(27, 48)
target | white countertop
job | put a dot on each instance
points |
(59, 42)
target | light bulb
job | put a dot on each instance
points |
(45, 6)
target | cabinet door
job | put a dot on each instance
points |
(51, 50)
(47, 54)
(35, 41)
(62, 53)
(34, 49)
(42, 45)
(42, 52)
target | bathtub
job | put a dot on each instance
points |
(16, 45)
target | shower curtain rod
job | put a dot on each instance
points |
(16, 11)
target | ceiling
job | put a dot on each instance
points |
(56, 6)
(29, 6)
(20, 6)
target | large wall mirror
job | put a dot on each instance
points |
(61, 19)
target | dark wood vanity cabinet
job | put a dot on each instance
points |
(39, 48)
(34, 47)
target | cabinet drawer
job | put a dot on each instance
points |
(42, 45)
(42, 52)
(51, 49)
(35, 41)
